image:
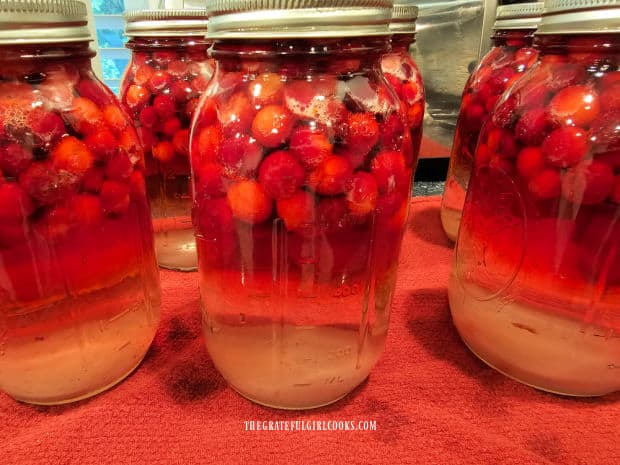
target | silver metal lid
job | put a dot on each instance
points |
(518, 16)
(166, 23)
(264, 19)
(404, 14)
(580, 17)
(43, 21)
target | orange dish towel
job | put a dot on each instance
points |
(431, 400)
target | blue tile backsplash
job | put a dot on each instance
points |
(109, 25)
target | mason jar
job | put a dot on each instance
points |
(511, 55)
(302, 187)
(79, 290)
(535, 285)
(161, 87)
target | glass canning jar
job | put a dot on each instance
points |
(168, 71)
(302, 188)
(535, 287)
(79, 291)
(402, 72)
(511, 55)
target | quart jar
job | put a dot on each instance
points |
(402, 72)
(511, 55)
(302, 191)
(168, 71)
(535, 287)
(79, 291)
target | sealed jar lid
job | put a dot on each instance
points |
(166, 23)
(404, 14)
(43, 22)
(580, 17)
(263, 19)
(518, 16)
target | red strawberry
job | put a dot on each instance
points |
(362, 131)
(164, 106)
(474, 116)
(361, 193)
(181, 91)
(310, 146)
(575, 105)
(588, 183)
(331, 176)
(240, 156)
(502, 143)
(266, 89)
(48, 184)
(392, 132)
(148, 117)
(114, 196)
(84, 116)
(565, 146)
(389, 170)
(102, 144)
(136, 96)
(206, 146)
(46, 126)
(163, 151)
(280, 174)
(142, 74)
(72, 155)
(530, 162)
(119, 166)
(235, 114)
(14, 159)
(249, 202)
(116, 119)
(533, 127)
(546, 184)
(610, 98)
(171, 126)
(209, 180)
(272, 125)
(297, 210)
(159, 80)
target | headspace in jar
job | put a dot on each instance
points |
(168, 72)
(79, 295)
(511, 55)
(302, 191)
(535, 288)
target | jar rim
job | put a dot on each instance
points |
(43, 22)
(264, 19)
(518, 16)
(166, 22)
(580, 17)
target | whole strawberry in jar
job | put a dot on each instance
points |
(535, 287)
(300, 199)
(404, 76)
(511, 55)
(79, 291)
(167, 74)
